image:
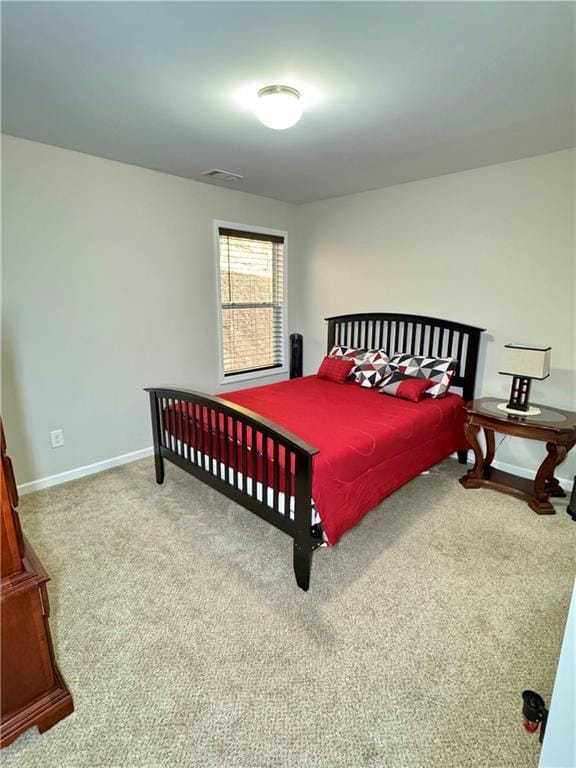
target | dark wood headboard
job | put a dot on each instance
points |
(415, 334)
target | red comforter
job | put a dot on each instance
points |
(370, 444)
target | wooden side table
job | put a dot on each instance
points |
(553, 426)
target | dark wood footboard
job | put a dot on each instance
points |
(251, 460)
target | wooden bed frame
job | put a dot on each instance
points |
(394, 332)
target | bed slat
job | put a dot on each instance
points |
(274, 479)
(287, 481)
(265, 468)
(216, 441)
(254, 462)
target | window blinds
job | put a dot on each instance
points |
(252, 300)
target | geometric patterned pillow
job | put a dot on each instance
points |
(373, 371)
(407, 387)
(440, 370)
(350, 353)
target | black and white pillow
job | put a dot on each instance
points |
(350, 353)
(440, 370)
(373, 370)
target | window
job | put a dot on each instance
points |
(251, 280)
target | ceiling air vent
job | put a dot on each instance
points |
(217, 173)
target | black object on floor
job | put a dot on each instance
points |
(534, 712)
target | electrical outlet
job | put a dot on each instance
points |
(57, 438)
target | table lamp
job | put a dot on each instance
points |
(524, 363)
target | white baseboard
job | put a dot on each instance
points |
(89, 469)
(529, 474)
(126, 458)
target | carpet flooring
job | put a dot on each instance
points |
(185, 641)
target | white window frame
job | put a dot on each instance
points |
(217, 223)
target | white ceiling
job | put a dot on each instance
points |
(398, 91)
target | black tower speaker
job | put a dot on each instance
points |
(295, 355)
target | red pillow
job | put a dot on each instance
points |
(335, 369)
(400, 384)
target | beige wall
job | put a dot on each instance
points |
(109, 285)
(492, 247)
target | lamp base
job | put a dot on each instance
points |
(520, 394)
(531, 410)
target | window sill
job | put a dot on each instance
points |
(253, 375)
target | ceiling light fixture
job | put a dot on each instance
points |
(278, 106)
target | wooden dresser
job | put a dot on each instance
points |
(32, 690)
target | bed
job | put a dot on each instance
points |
(309, 456)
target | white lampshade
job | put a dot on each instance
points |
(526, 361)
(278, 106)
